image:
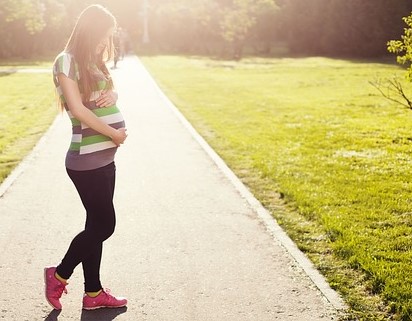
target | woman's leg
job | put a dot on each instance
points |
(96, 189)
(91, 271)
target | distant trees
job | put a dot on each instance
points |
(343, 27)
(239, 19)
(219, 27)
(316, 27)
(20, 20)
(211, 26)
(29, 28)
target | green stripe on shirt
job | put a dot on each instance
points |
(74, 146)
(99, 112)
(94, 139)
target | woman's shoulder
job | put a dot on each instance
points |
(64, 56)
(66, 64)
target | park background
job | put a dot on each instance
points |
(287, 93)
(216, 27)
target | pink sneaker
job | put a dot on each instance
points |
(53, 288)
(103, 300)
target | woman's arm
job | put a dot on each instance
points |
(80, 112)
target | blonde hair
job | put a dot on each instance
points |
(91, 27)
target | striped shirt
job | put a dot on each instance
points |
(88, 149)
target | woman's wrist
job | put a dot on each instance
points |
(113, 133)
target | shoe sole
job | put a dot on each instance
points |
(104, 307)
(45, 290)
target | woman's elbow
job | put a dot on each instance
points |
(77, 111)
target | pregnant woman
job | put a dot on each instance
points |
(87, 94)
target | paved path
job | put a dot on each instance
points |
(188, 245)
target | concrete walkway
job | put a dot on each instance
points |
(190, 243)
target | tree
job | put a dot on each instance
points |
(342, 27)
(29, 12)
(393, 89)
(361, 28)
(302, 22)
(23, 17)
(238, 20)
(267, 29)
(21, 21)
(403, 47)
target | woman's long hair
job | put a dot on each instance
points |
(91, 27)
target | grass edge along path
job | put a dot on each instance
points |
(323, 152)
(28, 106)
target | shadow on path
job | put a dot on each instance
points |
(96, 315)
(4, 73)
(53, 315)
(102, 314)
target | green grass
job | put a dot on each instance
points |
(27, 108)
(324, 152)
(14, 63)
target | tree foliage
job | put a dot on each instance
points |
(392, 89)
(29, 12)
(343, 27)
(18, 15)
(239, 19)
(316, 27)
(403, 47)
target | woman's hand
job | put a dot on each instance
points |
(107, 98)
(80, 112)
(119, 136)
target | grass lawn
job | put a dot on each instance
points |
(324, 152)
(14, 63)
(27, 108)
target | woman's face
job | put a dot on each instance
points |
(103, 44)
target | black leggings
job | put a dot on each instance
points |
(96, 189)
